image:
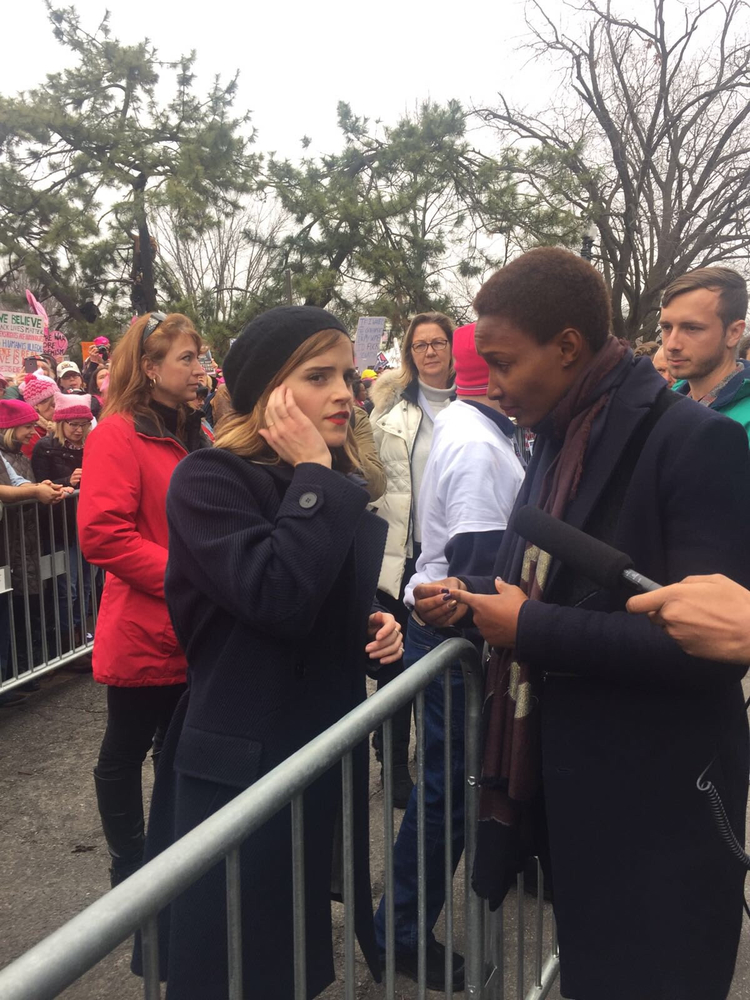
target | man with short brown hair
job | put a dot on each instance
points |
(702, 321)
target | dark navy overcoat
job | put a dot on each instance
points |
(271, 578)
(647, 896)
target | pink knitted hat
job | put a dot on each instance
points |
(37, 387)
(16, 413)
(70, 407)
(472, 373)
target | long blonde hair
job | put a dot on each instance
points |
(238, 432)
(129, 391)
(409, 371)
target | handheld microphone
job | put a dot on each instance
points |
(578, 551)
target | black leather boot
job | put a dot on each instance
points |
(402, 786)
(120, 803)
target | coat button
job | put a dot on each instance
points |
(308, 500)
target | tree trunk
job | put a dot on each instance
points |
(144, 291)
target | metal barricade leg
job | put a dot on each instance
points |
(539, 943)
(234, 924)
(347, 804)
(421, 861)
(390, 935)
(11, 669)
(150, 944)
(298, 896)
(498, 954)
(80, 595)
(67, 582)
(520, 916)
(448, 768)
(474, 948)
(26, 596)
(42, 609)
(55, 590)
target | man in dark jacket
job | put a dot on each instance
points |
(702, 320)
(597, 724)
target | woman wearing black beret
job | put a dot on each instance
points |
(273, 565)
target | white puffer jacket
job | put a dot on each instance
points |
(395, 422)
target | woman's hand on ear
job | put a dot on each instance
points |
(291, 434)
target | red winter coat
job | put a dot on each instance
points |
(122, 526)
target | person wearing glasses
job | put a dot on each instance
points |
(147, 427)
(406, 403)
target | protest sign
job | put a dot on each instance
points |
(370, 330)
(21, 335)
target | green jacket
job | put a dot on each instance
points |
(733, 400)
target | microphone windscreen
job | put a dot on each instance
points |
(575, 549)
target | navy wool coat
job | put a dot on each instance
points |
(647, 897)
(271, 579)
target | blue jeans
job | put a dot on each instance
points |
(89, 574)
(420, 639)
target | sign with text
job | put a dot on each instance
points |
(370, 330)
(21, 335)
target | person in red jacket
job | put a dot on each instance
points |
(147, 427)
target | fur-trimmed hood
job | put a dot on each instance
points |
(387, 391)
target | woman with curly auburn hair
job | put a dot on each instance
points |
(146, 429)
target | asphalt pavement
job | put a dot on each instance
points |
(55, 858)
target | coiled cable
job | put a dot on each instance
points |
(722, 820)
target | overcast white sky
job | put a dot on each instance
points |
(298, 58)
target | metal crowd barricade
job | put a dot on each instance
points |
(41, 566)
(60, 959)
(509, 977)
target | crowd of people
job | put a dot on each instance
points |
(46, 414)
(272, 533)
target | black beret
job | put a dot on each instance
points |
(266, 344)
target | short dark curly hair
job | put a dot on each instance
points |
(546, 290)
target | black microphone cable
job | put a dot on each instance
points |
(721, 820)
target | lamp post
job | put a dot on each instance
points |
(588, 241)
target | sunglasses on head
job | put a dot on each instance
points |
(153, 321)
